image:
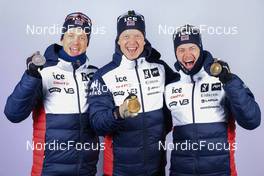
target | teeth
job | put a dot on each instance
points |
(188, 62)
(74, 49)
(131, 50)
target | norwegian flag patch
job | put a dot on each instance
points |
(78, 22)
(130, 23)
(184, 37)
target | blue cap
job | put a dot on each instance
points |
(130, 20)
(77, 20)
(187, 34)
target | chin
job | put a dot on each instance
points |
(75, 54)
(189, 69)
(135, 56)
(130, 58)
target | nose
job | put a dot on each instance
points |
(187, 54)
(76, 40)
(132, 40)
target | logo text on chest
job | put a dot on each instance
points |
(120, 79)
(153, 72)
(58, 76)
(180, 102)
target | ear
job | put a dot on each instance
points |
(61, 39)
(61, 43)
(88, 42)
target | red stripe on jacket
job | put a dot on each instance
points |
(108, 156)
(39, 132)
(231, 140)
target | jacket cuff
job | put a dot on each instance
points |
(116, 113)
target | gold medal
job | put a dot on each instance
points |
(215, 69)
(133, 104)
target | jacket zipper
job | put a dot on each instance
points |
(80, 116)
(193, 116)
(140, 88)
(143, 110)
(195, 128)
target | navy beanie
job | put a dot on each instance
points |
(130, 20)
(187, 34)
(77, 20)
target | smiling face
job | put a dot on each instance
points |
(131, 43)
(75, 42)
(187, 55)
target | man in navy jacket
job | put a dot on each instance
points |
(58, 94)
(205, 103)
(132, 138)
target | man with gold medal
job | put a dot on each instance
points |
(205, 104)
(127, 103)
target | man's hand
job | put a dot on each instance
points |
(34, 64)
(130, 107)
(221, 69)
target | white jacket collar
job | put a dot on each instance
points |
(197, 77)
(67, 66)
(131, 64)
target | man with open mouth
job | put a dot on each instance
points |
(132, 131)
(205, 103)
(57, 94)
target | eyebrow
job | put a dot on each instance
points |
(180, 48)
(73, 33)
